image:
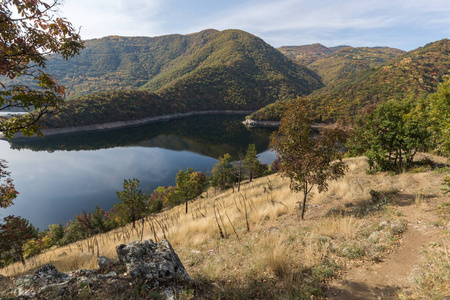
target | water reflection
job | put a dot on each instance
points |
(59, 176)
(211, 135)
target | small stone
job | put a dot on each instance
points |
(169, 295)
(273, 229)
(103, 262)
(376, 236)
(84, 282)
(384, 224)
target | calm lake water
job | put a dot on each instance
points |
(59, 176)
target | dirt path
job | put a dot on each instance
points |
(383, 280)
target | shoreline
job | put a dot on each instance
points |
(126, 124)
(250, 123)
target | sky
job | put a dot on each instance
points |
(403, 24)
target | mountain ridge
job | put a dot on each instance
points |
(227, 70)
(235, 70)
(415, 73)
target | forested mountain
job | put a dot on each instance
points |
(124, 63)
(415, 73)
(144, 77)
(237, 69)
(141, 77)
(116, 63)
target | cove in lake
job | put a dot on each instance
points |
(59, 176)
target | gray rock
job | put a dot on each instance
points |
(24, 286)
(84, 282)
(169, 295)
(44, 278)
(156, 262)
(103, 262)
(398, 226)
(377, 236)
(111, 274)
(384, 224)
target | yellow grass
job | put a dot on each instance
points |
(276, 245)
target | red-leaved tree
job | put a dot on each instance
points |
(14, 233)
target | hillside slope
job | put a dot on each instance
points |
(337, 63)
(238, 69)
(416, 73)
(342, 63)
(266, 252)
(118, 63)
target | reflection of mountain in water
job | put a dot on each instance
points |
(211, 135)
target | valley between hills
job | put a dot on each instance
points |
(130, 78)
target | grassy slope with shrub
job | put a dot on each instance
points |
(280, 257)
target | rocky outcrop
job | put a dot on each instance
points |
(154, 264)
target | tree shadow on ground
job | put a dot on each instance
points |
(408, 199)
(361, 291)
(258, 288)
(377, 200)
(362, 208)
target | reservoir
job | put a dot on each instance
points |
(60, 176)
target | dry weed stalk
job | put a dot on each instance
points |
(217, 220)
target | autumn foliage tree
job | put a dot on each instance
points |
(29, 32)
(251, 162)
(14, 233)
(438, 105)
(7, 190)
(307, 160)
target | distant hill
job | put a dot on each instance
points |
(415, 73)
(347, 61)
(306, 54)
(337, 63)
(141, 77)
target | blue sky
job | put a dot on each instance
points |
(404, 24)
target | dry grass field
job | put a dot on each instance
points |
(252, 243)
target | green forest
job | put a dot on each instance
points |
(129, 78)
(210, 70)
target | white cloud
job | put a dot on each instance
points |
(119, 17)
(372, 22)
